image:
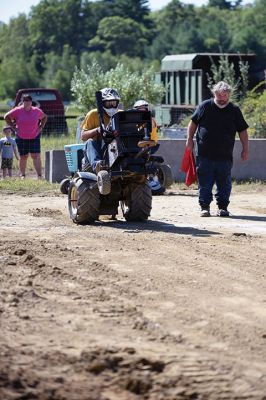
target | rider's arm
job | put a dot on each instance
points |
(90, 126)
(89, 133)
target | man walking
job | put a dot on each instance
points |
(216, 122)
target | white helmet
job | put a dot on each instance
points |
(110, 98)
(141, 103)
(109, 94)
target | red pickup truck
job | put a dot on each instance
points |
(50, 101)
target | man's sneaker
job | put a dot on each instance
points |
(205, 212)
(222, 213)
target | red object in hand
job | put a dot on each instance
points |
(188, 165)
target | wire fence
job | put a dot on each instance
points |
(168, 116)
(53, 138)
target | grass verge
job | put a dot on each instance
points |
(29, 187)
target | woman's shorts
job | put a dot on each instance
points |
(26, 146)
(7, 163)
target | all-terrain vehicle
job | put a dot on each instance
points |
(124, 179)
(160, 176)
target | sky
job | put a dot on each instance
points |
(12, 8)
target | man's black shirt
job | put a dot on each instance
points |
(217, 129)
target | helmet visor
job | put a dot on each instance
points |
(110, 103)
(142, 108)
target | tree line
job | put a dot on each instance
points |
(59, 37)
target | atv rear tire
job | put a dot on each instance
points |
(138, 206)
(165, 176)
(83, 201)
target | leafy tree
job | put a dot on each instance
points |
(224, 4)
(16, 33)
(211, 29)
(247, 29)
(107, 60)
(131, 86)
(138, 10)
(59, 71)
(17, 66)
(31, 46)
(14, 76)
(120, 36)
(177, 31)
(56, 23)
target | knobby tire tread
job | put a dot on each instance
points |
(140, 203)
(88, 202)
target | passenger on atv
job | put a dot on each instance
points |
(91, 132)
(143, 105)
(160, 176)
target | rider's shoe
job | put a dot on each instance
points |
(99, 166)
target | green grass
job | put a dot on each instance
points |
(52, 142)
(249, 185)
(28, 186)
(238, 186)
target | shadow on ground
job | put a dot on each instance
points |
(157, 226)
(249, 218)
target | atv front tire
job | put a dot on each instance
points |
(156, 188)
(137, 207)
(64, 186)
(165, 176)
(83, 201)
(104, 182)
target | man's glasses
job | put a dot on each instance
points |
(110, 103)
(26, 100)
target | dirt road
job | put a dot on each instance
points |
(171, 309)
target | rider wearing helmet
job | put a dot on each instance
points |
(90, 128)
(143, 105)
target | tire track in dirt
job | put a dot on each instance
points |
(129, 311)
(193, 373)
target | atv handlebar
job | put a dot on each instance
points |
(107, 134)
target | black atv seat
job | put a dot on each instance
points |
(132, 123)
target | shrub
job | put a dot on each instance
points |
(254, 109)
(130, 85)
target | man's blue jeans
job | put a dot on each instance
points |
(93, 152)
(212, 172)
